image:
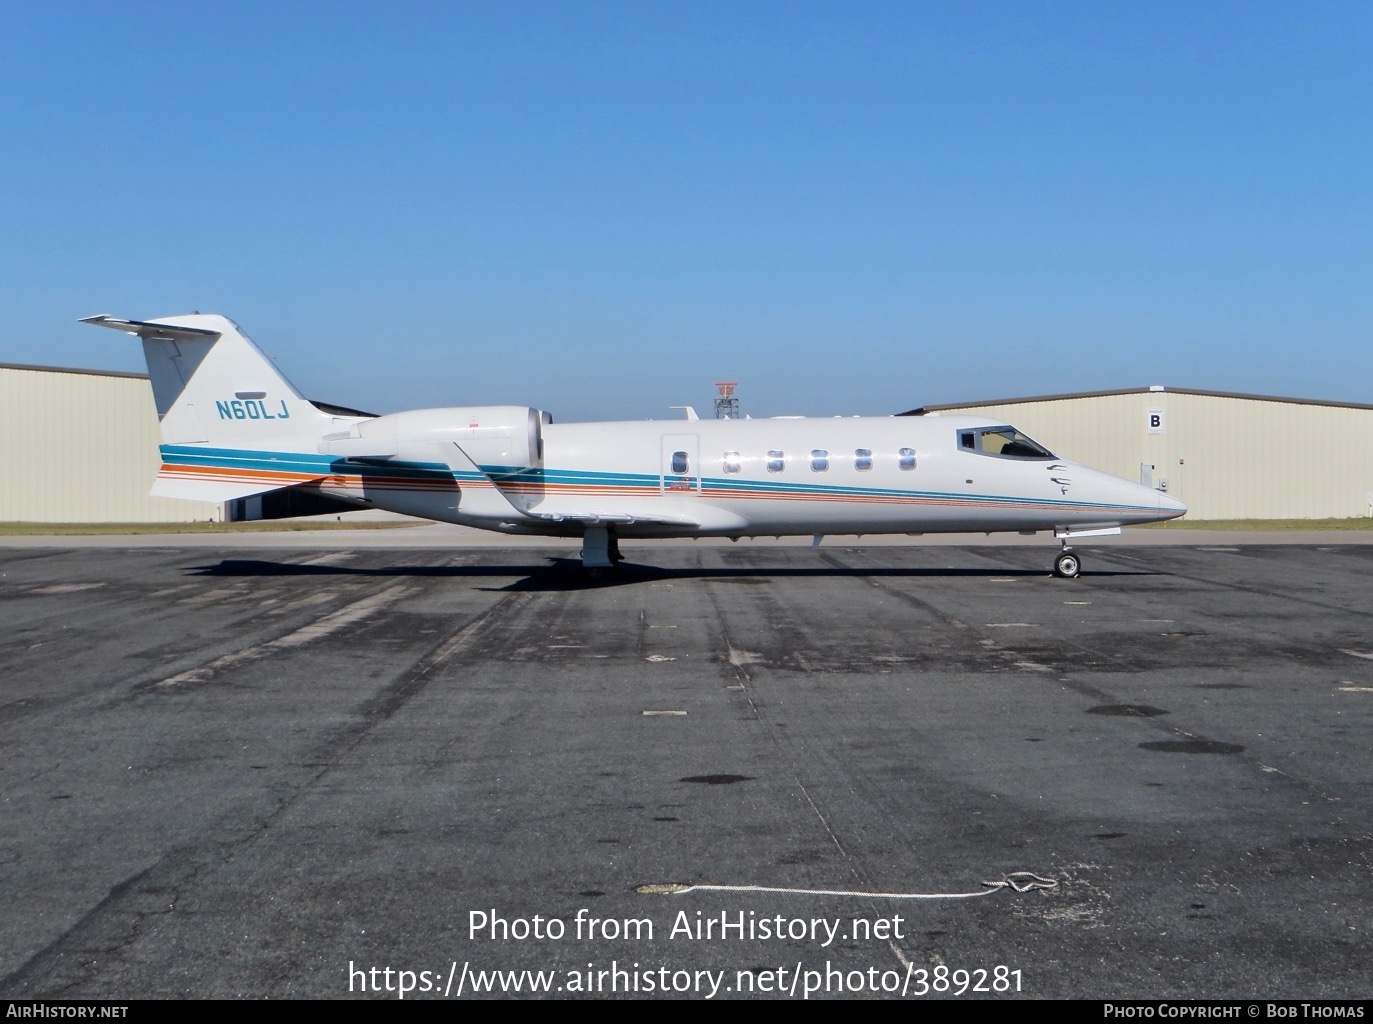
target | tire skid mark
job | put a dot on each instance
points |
(993, 644)
(308, 633)
(738, 659)
(1018, 660)
(113, 923)
(116, 921)
(1280, 595)
(329, 558)
(389, 700)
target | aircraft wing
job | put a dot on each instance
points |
(481, 496)
(692, 516)
(612, 519)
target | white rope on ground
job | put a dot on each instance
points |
(1019, 881)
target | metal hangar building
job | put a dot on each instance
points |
(80, 446)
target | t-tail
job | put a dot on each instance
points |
(232, 425)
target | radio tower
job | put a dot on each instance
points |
(726, 405)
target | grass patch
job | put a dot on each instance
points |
(136, 529)
(1361, 523)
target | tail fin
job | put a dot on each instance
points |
(232, 425)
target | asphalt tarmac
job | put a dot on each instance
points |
(285, 771)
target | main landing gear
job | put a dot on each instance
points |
(1067, 566)
(600, 551)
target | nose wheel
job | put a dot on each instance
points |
(1067, 566)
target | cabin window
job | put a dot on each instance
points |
(819, 460)
(862, 459)
(680, 463)
(776, 462)
(732, 463)
(905, 458)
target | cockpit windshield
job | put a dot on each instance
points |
(1006, 442)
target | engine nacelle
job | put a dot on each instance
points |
(505, 436)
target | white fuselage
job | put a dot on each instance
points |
(899, 474)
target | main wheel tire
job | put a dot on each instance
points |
(1067, 566)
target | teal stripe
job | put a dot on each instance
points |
(322, 465)
(776, 488)
(300, 462)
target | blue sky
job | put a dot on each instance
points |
(601, 208)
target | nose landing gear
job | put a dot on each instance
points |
(1067, 566)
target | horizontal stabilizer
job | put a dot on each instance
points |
(145, 329)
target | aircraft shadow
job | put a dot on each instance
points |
(567, 574)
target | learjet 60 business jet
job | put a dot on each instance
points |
(233, 427)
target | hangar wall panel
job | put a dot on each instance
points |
(1228, 457)
(81, 447)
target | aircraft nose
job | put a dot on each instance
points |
(1170, 506)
